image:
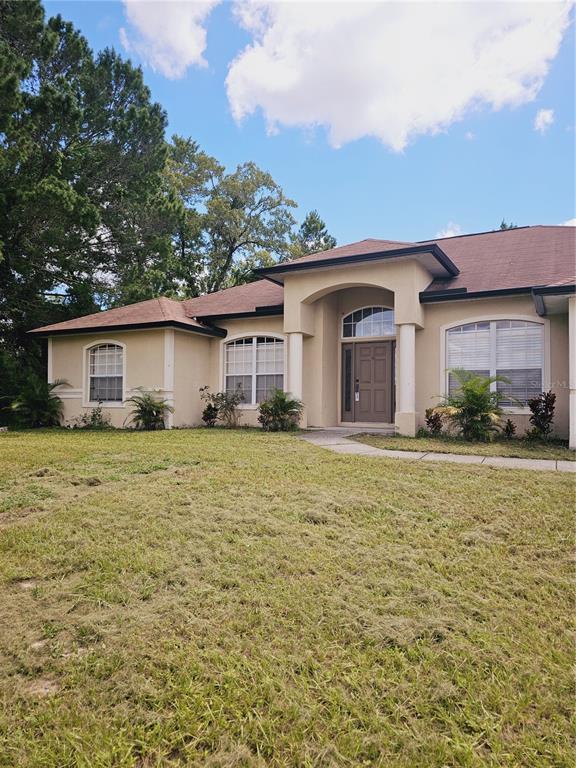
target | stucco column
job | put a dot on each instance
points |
(295, 364)
(405, 417)
(572, 368)
(168, 386)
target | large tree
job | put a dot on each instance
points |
(81, 151)
(311, 237)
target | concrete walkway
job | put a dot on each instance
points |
(339, 441)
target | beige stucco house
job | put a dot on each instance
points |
(364, 334)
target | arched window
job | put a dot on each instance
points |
(105, 373)
(254, 366)
(369, 321)
(513, 349)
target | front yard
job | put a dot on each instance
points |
(212, 598)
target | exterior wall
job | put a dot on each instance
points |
(429, 364)
(236, 328)
(192, 360)
(144, 367)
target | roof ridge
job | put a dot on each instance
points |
(487, 232)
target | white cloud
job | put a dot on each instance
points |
(469, 135)
(169, 36)
(543, 120)
(389, 70)
(569, 223)
(451, 230)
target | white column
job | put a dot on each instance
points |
(168, 385)
(50, 361)
(295, 364)
(406, 385)
(572, 368)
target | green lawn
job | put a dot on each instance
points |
(228, 599)
(521, 449)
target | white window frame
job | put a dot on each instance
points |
(251, 335)
(353, 339)
(86, 402)
(444, 371)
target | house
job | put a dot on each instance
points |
(364, 334)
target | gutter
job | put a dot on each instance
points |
(276, 309)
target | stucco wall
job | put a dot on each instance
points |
(429, 341)
(192, 361)
(144, 355)
(237, 328)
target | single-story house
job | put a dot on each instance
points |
(365, 334)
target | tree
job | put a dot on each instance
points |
(505, 225)
(75, 189)
(312, 237)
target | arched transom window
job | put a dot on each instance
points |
(254, 366)
(106, 367)
(369, 321)
(513, 349)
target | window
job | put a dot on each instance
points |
(254, 366)
(106, 364)
(513, 349)
(370, 321)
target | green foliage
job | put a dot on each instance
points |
(225, 404)
(542, 410)
(210, 415)
(473, 408)
(433, 421)
(38, 405)
(94, 418)
(504, 225)
(509, 429)
(280, 412)
(311, 237)
(81, 150)
(149, 412)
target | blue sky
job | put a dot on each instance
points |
(377, 149)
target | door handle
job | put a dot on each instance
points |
(356, 390)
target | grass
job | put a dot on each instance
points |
(515, 448)
(228, 599)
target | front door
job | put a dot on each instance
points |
(368, 381)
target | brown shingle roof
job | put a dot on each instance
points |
(162, 311)
(240, 299)
(512, 258)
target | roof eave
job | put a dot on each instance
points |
(295, 266)
(213, 331)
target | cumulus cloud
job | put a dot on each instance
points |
(451, 230)
(569, 223)
(169, 36)
(543, 120)
(389, 70)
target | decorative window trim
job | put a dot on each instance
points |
(249, 335)
(353, 339)
(545, 322)
(86, 402)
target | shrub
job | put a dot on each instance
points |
(433, 422)
(473, 408)
(542, 415)
(149, 413)
(210, 415)
(509, 429)
(95, 418)
(280, 412)
(38, 405)
(226, 405)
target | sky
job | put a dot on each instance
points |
(403, 121)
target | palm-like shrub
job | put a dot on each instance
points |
(473, 408)
(280, 412)
(38, 405)
(149, 412)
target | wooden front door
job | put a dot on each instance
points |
(368, 381)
